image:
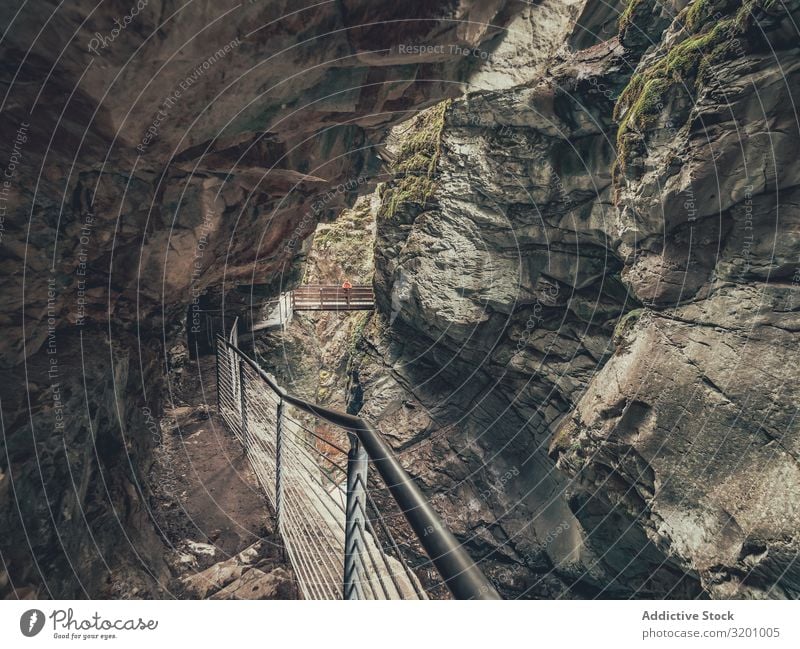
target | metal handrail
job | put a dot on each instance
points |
(459, 572)
(234, 334)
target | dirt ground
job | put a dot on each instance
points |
(205, 489)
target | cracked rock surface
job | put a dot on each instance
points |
(592, 316)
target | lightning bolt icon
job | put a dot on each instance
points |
(32, 620)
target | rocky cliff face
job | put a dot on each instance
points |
(154, 152)
(585, 266)
(587, 285)
(693, 420)
(310, 357)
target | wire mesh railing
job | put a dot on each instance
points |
(353, 523)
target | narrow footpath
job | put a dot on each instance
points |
(208, 504)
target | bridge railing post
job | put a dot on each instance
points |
(279, 467)
(355, 519)
(243, 405)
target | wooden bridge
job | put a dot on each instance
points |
(311, 297)
(321, 297)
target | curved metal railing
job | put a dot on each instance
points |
(333, 512)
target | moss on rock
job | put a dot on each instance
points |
(343, 248)
(414, 166)
(624, 324)
(713, 27)
(626, 17)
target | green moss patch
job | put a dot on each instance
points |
(625, 322)
(414, 167)
(683, 67)
(626, 17)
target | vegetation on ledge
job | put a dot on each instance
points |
(626, 17)
(624, 324)
(414, 167)
(714, 27)
(343, 248)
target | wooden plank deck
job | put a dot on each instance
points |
(310, 298)
(333, 298)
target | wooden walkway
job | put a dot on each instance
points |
(320, 297)
(311, 297)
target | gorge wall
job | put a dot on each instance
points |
(154, 153)
(587, 287)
